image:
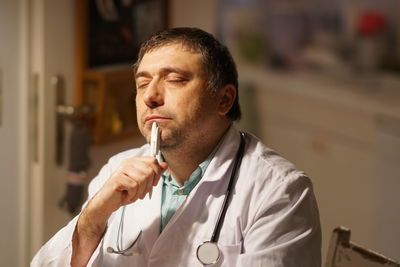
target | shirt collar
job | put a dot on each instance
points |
(196, 175)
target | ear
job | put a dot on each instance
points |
(227, 97)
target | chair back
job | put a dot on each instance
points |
(344, 253)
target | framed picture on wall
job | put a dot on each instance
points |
(116, 28)
(149, 17)
(108, 36)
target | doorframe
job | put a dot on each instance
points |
(31, 181)
(40, 181)
(24, 136)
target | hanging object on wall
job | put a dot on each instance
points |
(79, 163)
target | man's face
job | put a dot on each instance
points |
(172, 91)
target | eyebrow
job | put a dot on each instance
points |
(164, 71)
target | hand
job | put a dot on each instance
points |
(133, 179)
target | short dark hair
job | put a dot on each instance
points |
(217, 60)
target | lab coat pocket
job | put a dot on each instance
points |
(229, 254)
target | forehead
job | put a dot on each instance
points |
(171, 56)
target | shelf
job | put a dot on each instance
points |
(110, 92)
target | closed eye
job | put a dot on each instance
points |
(177, 80)
(141, 85)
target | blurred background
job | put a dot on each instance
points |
(319, 83)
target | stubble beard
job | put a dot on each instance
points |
(172, 139)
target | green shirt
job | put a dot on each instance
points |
(173, 195)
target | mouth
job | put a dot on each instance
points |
(155, 118)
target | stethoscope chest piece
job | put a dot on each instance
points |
(208, 253)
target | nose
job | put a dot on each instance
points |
(153, 96)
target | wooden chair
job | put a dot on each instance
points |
(344, 253)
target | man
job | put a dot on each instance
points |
(186, 82)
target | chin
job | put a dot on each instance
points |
(146, 134)
(171, 141)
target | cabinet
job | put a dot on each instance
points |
(333, 145)
(330, 130)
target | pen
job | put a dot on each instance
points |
(154, 146)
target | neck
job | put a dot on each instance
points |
(184, 160)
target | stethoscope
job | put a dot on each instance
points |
(208, 252)
(120, 250)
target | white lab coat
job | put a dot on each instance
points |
(272, 219)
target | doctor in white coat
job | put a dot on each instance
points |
(141, 212)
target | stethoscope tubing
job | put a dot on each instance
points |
(222, 213)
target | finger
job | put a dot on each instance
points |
(156, 169)
(138, 170)
(146, 185)
(163, 166)
(141, 163)
(128, 189)
(159, 169)
(144, 175)
(149, 188)
(146, 171)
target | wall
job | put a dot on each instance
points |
(193, 13)
(9, 131)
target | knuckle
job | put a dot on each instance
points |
(139, 183)
(135, 184)
(132, 199)
(153, 160)
(116, 187)
(145, 177)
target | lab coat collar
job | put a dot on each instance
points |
(224, 155)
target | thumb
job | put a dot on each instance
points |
(164, 166)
